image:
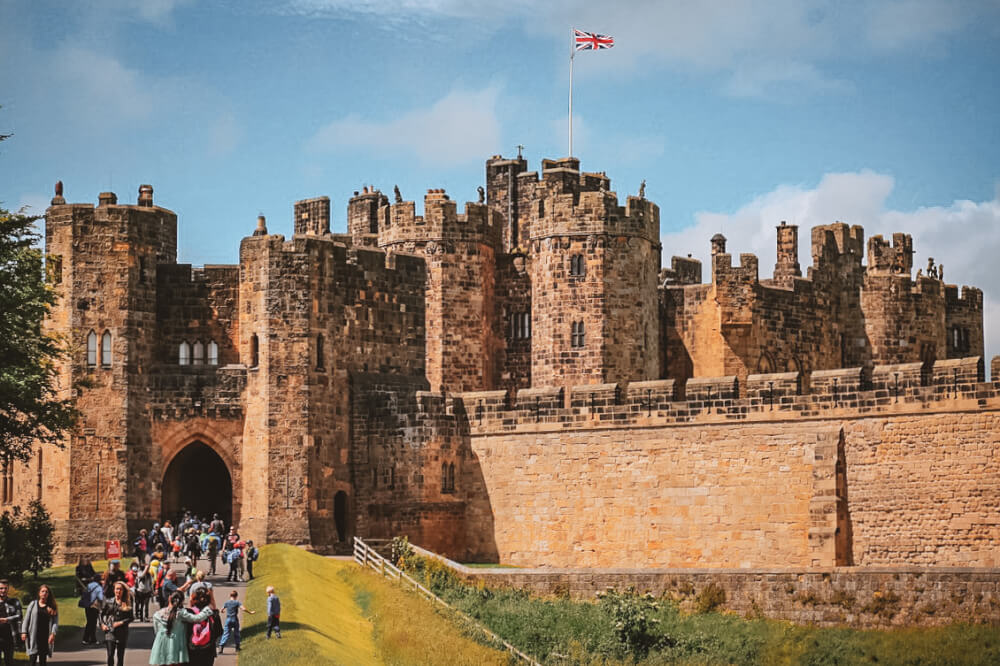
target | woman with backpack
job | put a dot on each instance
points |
(171, 643)
(204, 634)
(116, 615)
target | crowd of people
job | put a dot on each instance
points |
(189, 627)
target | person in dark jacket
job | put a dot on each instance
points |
(90, 600)
(116, 615)
(10, 623)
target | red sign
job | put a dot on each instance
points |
(112, 550)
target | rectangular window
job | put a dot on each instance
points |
(577, 335)
(520, 325)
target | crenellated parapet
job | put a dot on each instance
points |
(951, 385)
(440, 223)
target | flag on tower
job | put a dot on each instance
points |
(591, 41)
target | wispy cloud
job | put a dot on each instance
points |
(457, 129)
(756, 47)
(964, 235)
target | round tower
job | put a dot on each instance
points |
(594, 282)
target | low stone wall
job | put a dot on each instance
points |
(862, 597)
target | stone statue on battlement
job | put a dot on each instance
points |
(398, 196)
(642, 189)
(932, 271)
(482, 194)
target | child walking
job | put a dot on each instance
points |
(273, 611)
(232, 620)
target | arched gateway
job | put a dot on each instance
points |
(197, 480)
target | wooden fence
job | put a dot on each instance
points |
(369, 558)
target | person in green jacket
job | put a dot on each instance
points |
(170, 645)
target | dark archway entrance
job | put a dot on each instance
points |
(197, 480)
(340, 515)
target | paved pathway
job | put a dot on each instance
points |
(140, 635)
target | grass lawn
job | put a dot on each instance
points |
(334, 612)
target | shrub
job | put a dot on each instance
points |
(25, 541)
(710, 598)
(401, 551)
(634, 620)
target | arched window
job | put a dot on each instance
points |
(184, 354)
(213, 353)
(106, 349)
(320, 351)
(254, 350)
(91, 349)
(198, 356)
(577, 265)
(577, 335)
(451, 477)
(444, 477)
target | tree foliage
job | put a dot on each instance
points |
(26, 541)
(31, 410)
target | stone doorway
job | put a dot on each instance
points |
(197, 480)
(340, 515)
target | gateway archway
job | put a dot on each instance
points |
(197, 480)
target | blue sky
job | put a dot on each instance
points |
(738, 114)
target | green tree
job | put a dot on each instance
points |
(38, 541)
(31, 411)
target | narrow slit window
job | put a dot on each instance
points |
(213, 353)
(254, 350)
(451, 477)
(320, 351)
(91, 349)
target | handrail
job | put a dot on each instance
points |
(368, 557)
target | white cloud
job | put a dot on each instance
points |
(963, 236)
(758, 47)
(459, 128)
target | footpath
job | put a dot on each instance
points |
(140, 636)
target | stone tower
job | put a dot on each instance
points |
(103, 263)
(460, 251)
(594, 267)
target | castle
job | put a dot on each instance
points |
(521, 382)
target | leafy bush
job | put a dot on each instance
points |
(401, 550)
(634, 620)
(25, 541)
(710, 598)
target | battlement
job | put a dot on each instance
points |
(364, 257)
(723, 270)
(971, 298)
(952, 385)
(895, 259)
(682, 271)
(441, 221)
(312, 216)
(831, 242)
(595, 212)
(128, 225)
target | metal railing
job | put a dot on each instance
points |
(369, 558)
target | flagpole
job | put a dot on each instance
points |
(572, 55)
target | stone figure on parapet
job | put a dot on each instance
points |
(399, 197)
(59, 188)
(932, 272)
(642, 189)
(941, 272)
(482, 194)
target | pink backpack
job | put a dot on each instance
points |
(201, 633)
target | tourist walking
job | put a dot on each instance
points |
(41, 621)
(232, 627)
(91, 598)
(116, 615)
(84, 574)
(170, 646)
(143, 593)
(140, 546)
(204, 634)
(10, 623)
(273, 612)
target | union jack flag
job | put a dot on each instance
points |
(591, 41)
